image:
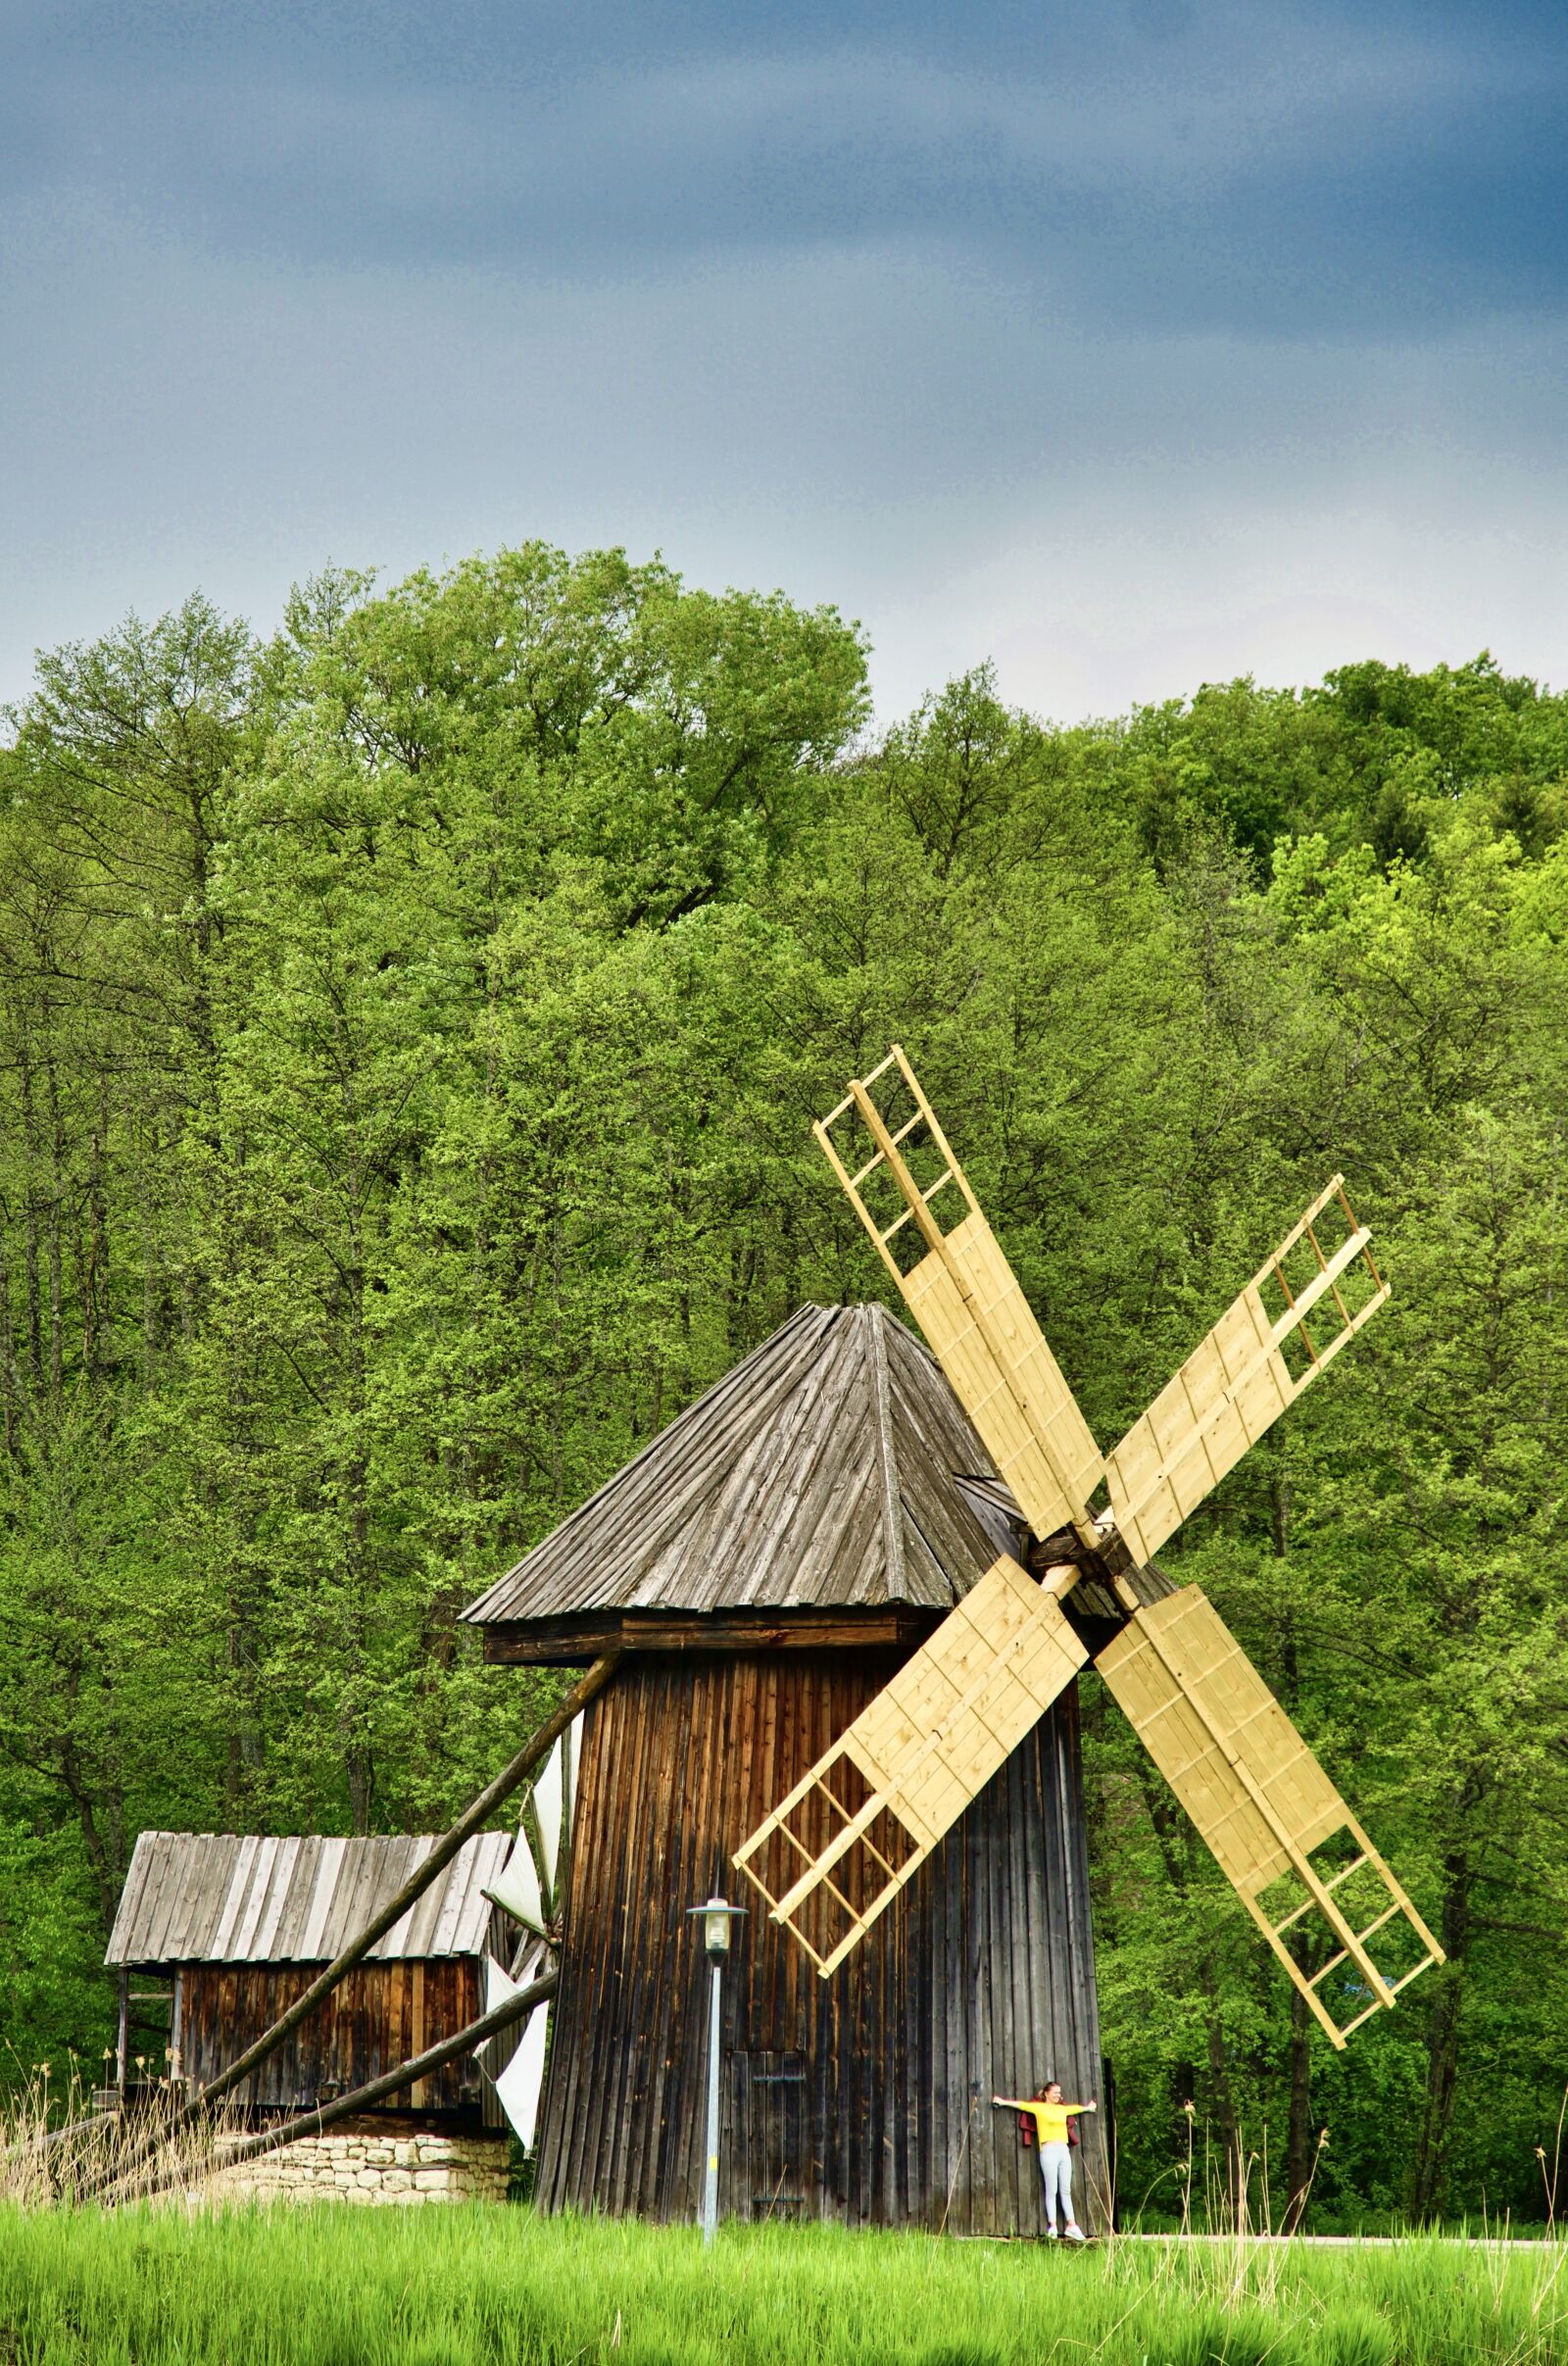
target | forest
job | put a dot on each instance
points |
(411, 1025)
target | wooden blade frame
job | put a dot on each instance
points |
(1236, 1383)
(967, 1300)
(1255, 1790)
(872, 1809)
(1258, 1796)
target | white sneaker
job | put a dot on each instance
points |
(1050, 2234)
(1075, 2233)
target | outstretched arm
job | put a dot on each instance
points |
(1013, 2102)
(1080, 2106)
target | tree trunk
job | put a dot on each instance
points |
(1299, 2149)
(1443, 2043)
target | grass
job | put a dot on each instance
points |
(455, 2287)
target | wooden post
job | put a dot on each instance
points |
(123, 2035)
(420, 2095)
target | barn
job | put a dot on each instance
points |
(766, 1564)
(218, 1933)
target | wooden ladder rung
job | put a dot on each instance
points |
(1427, 1962)
(947, 1176)
(867, 1842)
(1365, 2014)
(1362, 1938)
(1307, 1904)
(875, 1160)
(800, 1935)
(848, 1102)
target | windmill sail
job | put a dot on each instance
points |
(1263, 1804)
(967, 1300)
(874, 1808)
(518, 1888)
(1236, 1381)
(518, 2080)
(835, 1853)
(546, 1817)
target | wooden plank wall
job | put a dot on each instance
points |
(381, 2015)
(865, 2098)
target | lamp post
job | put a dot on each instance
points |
(717, 1915)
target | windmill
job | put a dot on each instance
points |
(843, 1843)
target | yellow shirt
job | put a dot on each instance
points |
(1051, 2119)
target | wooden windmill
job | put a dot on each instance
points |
(762, 1567)
(853, 1831)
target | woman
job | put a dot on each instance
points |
(1051, 2116)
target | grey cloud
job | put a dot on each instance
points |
(1131, 344)
(1282, 172)
(877, 425)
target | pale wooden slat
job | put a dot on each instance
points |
(413, 1932)
(312, 1948)
(932, 1739)
(131, 1898)
(968, 1302)
(1231, 1389)
(1017, 1434)
(235, 1900)
(160, 1896)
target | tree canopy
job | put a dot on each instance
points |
(409, 1029)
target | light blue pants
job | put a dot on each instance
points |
(1055, 2171)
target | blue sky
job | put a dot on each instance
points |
(1131, 344)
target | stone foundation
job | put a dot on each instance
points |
(365, 2163)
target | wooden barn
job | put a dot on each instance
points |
(218, 1934)
(767, 1562)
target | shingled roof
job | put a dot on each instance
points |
(833, 1468)
(232, 1898)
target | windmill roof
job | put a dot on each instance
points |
(230, 1897)
(832, 1467)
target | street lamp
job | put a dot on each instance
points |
(716, 1916)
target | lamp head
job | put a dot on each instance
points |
(717, 1915)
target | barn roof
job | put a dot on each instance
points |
(832, 1467)
(220, 1898)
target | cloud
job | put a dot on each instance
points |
(1134, 343)
(1289, 171)
(877, 425)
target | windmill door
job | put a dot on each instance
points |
(769, 2159)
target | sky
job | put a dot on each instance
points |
(1131, 344)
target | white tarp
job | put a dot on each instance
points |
(518, 2084)
(547, 1807)
(517, 1886)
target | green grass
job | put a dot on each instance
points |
(331, 2286)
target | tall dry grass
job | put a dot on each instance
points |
(56, 2149)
